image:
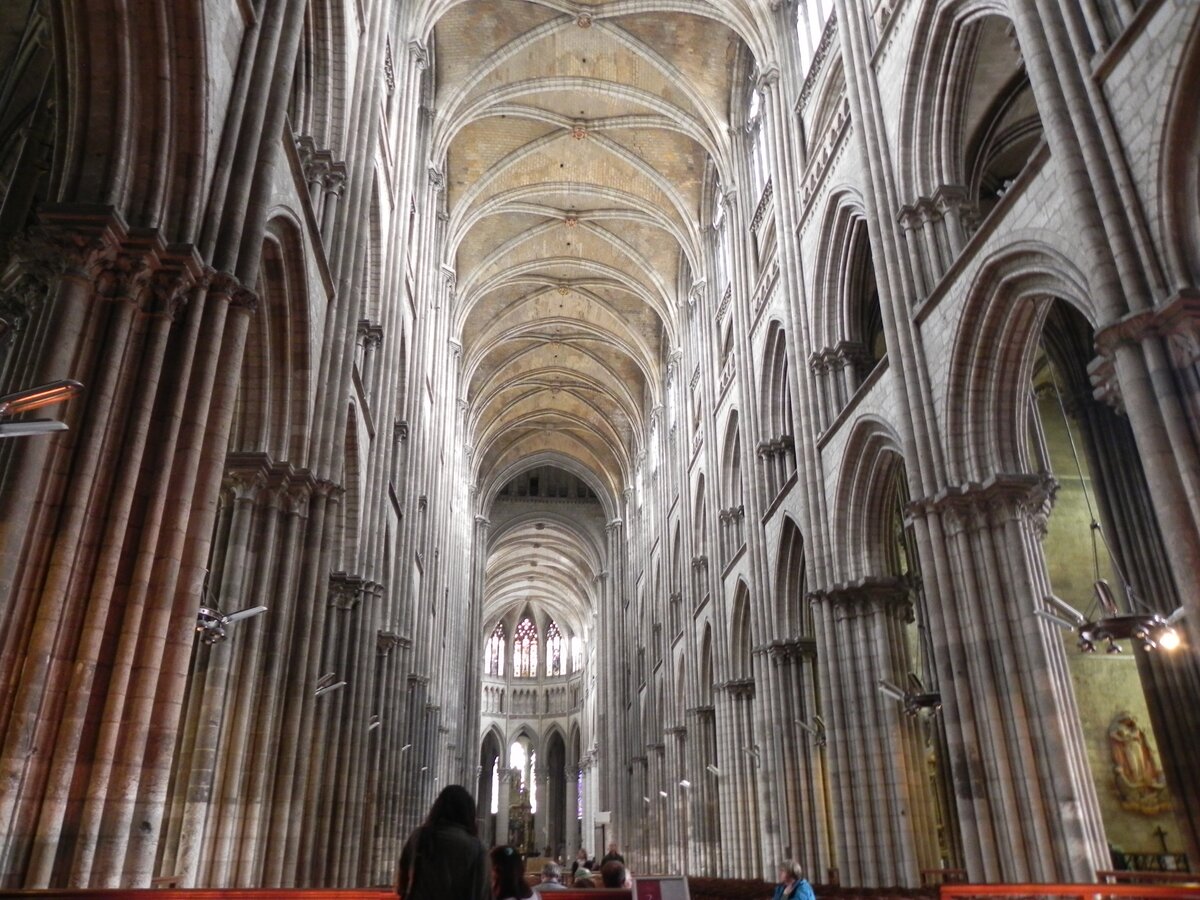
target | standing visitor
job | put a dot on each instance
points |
(444, 857)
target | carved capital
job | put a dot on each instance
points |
(419, 53)
(345, 590)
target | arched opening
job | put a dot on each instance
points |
(555, 802)
(733, 511)
(1102, 526)
(748, 754)
(777, 448)
(708, 824)
(487, 795)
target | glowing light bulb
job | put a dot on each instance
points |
(1169, 639)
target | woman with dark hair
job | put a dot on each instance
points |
(443, 858)
(508, 875)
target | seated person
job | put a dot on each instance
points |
(551, 879)
(583, 878)
(792, 883)
(613, 875)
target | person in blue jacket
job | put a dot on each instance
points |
(792, 883)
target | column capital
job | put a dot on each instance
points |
(419, 53)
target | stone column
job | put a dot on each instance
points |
(1012, 726)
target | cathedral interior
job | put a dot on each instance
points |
(735, 429)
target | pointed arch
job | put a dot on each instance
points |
(793, 613)
(741, 640)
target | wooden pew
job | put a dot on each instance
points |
(205, 894)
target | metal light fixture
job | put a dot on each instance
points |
(815, 729)
(915, 699)
(713, 770)
(327, 685)
(211, 622)
(36, 398)
(1150, 628)
(1105, 621)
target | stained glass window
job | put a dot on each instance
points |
(556, 644)
(525, 650)
(494, 653)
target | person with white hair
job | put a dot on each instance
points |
(551, 879)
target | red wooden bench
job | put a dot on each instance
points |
(206, 894)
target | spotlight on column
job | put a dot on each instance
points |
(374, 722)
(327, 685)
(755, 753)
(35, 398)
(647, 799)
(211, 622)
(685, 784)
(662, 794)
(712, 770)
(406, 748)
(815, 730)
(915, 699)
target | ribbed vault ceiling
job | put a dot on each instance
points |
(574, 140)
(550, 565)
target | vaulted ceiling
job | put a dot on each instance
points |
(576, 140)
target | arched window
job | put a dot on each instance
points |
(494, 653)
(525, 649)
(518, 758)
(533, 782)
(576, 654)
(556, 644)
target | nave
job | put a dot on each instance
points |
(739, 430)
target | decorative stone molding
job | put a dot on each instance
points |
(400, 430)
(389, 68)
(419, 53)
(824, 46)
(738, 688)
(767, 78)
(345, 590)
(1004, 497)
(865, 596)
(386, 642)
(1177, 321)
(370, 333)
(764, 205)
(789, 651)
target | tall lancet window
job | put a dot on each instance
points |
(556, 645)
(525, 649)
(493, 654)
